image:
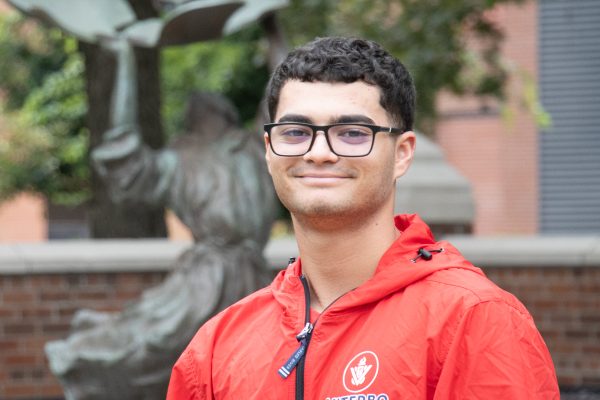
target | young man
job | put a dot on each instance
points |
(374, 308)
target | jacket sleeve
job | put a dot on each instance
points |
(497, 353)
(191, 377)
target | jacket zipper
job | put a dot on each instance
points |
(300, 370)
(303, 337)
(298, 359)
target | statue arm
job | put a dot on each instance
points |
(123, 108)
(132, 171)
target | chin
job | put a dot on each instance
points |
(320, 209)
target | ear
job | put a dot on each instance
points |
(404, 153)
(267, 152)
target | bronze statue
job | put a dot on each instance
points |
(213, 177)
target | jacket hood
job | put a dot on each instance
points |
(400, 266)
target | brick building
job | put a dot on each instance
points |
(526, 180)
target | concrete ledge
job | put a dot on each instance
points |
(88, 256)
(529, 251)
(158, 255)
(111, 255)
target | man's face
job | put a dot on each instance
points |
(323, 185)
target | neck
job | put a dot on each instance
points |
(339, 259)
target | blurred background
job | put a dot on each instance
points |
(508, 95)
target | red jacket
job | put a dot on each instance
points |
(427, 325)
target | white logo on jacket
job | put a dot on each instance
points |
(360, 372)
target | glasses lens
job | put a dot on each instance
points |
(351, 140)
(291, 139)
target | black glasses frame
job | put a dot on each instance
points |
(325, 129)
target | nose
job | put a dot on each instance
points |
(320, 152)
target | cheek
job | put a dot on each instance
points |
(383, 171)
(283, 188)
(277, 169)
(382, 180)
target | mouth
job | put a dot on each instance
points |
(322, 179)
(322, 176)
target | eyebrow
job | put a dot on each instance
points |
(295, 118)
(345, 119)
(342, 119)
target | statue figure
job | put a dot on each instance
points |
(213, 177)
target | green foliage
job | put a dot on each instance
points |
(234, 66)
(201, 66)
(429, 36)
(27, 55)
(532, 102)
(24, 160)
(43, 146)
(527, 100)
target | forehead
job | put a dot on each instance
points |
(322, 102)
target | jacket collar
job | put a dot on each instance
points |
(399, 267)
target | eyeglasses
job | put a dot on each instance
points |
(294, 139)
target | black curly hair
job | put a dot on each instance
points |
(341, 59)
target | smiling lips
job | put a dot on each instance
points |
(322, 178)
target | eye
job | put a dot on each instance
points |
(293, 133)
(353, 134)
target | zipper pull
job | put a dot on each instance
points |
(304, 332)
(291, 363)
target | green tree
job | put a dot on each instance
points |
(43, 142)
(234, 66)
(433, 38)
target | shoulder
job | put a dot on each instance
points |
(246, 309)
(234, 319)
(480, 317)
(491, 347)
(470, 288)
(192, 372)
(453, 299)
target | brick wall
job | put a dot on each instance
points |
(37, 308)
(565, 304)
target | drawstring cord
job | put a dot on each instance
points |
(426, 254)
